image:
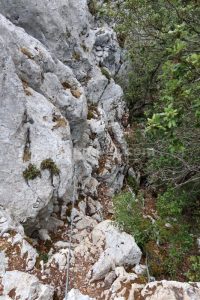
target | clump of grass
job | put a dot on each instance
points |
(49, 164)
(31, 172)
(92, 112)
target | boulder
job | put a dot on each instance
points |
(173, 290)
(25, 286)
(120, 249)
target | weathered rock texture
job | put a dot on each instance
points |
(120, 249)
(57, 103)
(76, 295)
(61, 136)
(24, 286)
(173, 290)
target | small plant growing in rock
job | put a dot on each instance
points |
(92, 112)
(44, 257)
(93, 7)
(49, 164)
(105, 72)
(90, 115)
(76, 56)
(31, 172)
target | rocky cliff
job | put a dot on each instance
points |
(62, 119)
(61, 111)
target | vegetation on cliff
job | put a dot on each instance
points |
(162, 41)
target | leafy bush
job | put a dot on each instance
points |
(166, 241)
(194, 272)
(162, 41)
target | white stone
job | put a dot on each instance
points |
(3, 263)
(82, 206)
(44, 235)
(86, 222)
(75, 294)
(32, 114)
(140, 269)
(165, 290)
(124, 276)
(59, 259)
(26, 286)
(120, 249)
(9, 223)
(110, 278)
(61, 245)
(198, 243)
(135, 287)
(31, 255)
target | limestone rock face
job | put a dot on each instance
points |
(24, 286)
(33, 129)
(61, 139)
(57, 103)
(59, 25)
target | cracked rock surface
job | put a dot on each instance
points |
(54, 100)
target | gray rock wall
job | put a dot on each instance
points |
(58, 101)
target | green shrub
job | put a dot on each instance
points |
(165, 242)
(163, 85)
(171, 204)
(129, 215)
(92, 111)
(194, 272)
(132, 182)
